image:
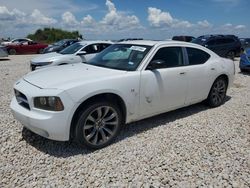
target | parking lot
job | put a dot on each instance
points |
(190, 147)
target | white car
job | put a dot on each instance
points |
(16, 41)
(129, 81)
(75, 53)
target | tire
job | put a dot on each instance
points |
(40, 51)
(217, 92)
(12, 51)
(231, 55)
(242, 70)
(98, 124)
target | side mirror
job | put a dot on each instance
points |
(155, 64)
(82, 53)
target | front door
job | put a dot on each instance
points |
(164, 85)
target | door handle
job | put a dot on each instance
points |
(182, 73)
(212, 68)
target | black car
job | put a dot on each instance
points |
(183, 38)
(60, 45)
(224, 45)
(245, 42)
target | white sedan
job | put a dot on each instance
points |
(128, 81)
(75, 53)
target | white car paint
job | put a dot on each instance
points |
(54, 58)
(145, 92)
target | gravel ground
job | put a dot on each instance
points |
(192, 147)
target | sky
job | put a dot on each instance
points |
(116, 19)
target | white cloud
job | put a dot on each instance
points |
(118, 20)
(88, 21)
(39, 19)
(204, 24)
(8, 15)
(158, 18)
(240, 27)
(69, 19)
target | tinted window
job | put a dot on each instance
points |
(196, 56)
(211, 42)
(169, 56)
(91, 49)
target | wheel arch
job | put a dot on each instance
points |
(98, 97)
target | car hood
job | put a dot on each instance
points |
(46, 57)
(69, 76)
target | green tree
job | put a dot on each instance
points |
(50, 35)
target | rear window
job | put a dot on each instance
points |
(197, 56)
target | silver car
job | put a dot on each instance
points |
(3, 52)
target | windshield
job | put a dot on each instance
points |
(59, 43)
(72, 49)
(121, 56)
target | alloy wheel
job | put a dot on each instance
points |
(100, 125)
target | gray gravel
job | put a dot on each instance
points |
(191, 147)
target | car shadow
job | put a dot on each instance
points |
(245, 73)
(67, 149)
(4, 59)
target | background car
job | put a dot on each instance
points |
(245, 42)
(60, 45)
(183, 38)
(16, 41)
(245, 60)
(128, 81)
(224, 45)
(26, 48)
(3, 51)
(75, 53)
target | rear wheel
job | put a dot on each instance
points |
(98, 125)
(12, 51)
(218, 92)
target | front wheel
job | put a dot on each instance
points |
(98, 125)
(12, 52)
(217, 93)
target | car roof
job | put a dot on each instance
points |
(87, 42)
(158, 43)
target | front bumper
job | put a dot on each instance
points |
(49, 124)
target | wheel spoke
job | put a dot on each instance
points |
(88, 127)
(99, 113)
(112, 123)
(104, 137)
(91, 134)
(95, 138)
(90, 118)
(110, 117)
(106, 112)
(108, 130)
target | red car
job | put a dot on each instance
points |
(26, 48)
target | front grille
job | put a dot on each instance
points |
(22, 99)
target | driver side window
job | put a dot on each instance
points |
(167, 57)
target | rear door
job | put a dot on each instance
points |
(200, 75)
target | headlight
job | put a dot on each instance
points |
(50, 49)
(48, 103)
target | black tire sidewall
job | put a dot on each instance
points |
(80, 122)
(209, 98)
